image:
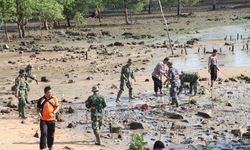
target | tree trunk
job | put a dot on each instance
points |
(99, 14)
(23, 30)
(149, 7)
(214, 4)
(58, 24)
(6, 31)
(126, 15)
(68, 21)
(179, 8)
(19, 30)
(45, 24)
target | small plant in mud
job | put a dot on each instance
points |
(206, 142)
(192, 100)
(223, 100)
(137, 142)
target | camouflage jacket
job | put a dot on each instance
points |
(126, 73)
(189, 77)
(20, 83)
(96, 103)
(29, 74)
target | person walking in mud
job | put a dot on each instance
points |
(20, 92)
(28, 74)
(96, 104)
(47, 107)
(157, 74)
(126, 74)
(173, 79)
(212, 67)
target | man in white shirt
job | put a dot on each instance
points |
(157, 74)
(212, 67)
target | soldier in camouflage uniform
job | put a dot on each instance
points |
(126, 74)
(28, 74)
(21, 91)
(96, 104)
(192, 79)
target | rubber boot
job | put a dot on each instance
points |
(191, 88)
(195, 88)
(19, 110)
(22, 106)
(98, 140)
(130, 94)
(22, 110)
(174, 101)
(118, 96)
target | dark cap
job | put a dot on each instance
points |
(166, 59)
(95, 89)
(21, 71)
(158, 144)
(170, 63)
(29, 66)
(129, 61)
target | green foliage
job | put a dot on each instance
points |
(25, 8)
(73, 7)
(79, 19)
(67, 7)
(189, 2)
(175, 2)
(97, 3)
(49, 9)
(7, 10)
(137, 7)
(137, 142)
(134, 5)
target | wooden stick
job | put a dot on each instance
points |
(185, 48)
(86, 55)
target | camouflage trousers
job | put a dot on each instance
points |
(21, 102)
(122, 84)
(27, 87)
(27, 91)
(96, 123)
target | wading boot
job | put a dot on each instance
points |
(118, 96)
(98, 140)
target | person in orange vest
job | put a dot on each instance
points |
(47, 107)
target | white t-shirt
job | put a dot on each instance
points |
(160, 67)
(212, 60)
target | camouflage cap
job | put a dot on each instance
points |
(21, 71)
(95, 89)
(129, 61)
(29, 66)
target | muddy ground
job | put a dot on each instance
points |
(73, 60)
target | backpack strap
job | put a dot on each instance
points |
(51, 104)
(46, 100)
